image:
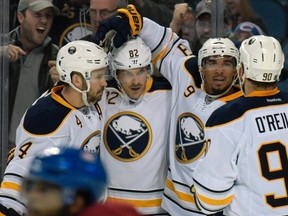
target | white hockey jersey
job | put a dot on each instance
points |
(49, 122)
(247, 162)
(191, 108)
(134, 147)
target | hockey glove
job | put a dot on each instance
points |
(134, 17)
(128, 22)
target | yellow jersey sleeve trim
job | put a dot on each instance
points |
(182, 196)
(163, 52)
(10, 185)
(221, 202)
(137, 203)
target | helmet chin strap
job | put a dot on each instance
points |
(84, 98)
(129, 99)
(218, 95)
(84, 93)
(241, 82)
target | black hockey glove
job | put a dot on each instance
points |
(128, 22)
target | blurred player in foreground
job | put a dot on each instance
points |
(66, 181)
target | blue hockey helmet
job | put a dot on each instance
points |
(73, 170)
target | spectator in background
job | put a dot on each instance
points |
(183, 23)
(161, 11)
(203, 24)
(245, 30)
(242, 11)
(72, 23)
(102, 9)
(30, 50)
(98, 11)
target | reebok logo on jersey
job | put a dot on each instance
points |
(274, 100)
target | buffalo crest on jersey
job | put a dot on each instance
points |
(127, 136)
(190, 138)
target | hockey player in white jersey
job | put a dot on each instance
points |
(135, 134)
(191, 106)
(67, 117)
(245, 169)
(218, 61)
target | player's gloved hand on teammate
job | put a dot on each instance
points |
(128, 22)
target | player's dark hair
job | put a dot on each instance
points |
(263, 84)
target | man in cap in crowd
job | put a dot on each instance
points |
(29, 50)
(203, 24)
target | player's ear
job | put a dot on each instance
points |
(241, 73)
(202, 71)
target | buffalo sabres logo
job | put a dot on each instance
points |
(190, 143)
(74, 32)
(91, 143)
(127, 136)
(72, 50)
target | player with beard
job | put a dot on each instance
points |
(68, 116)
